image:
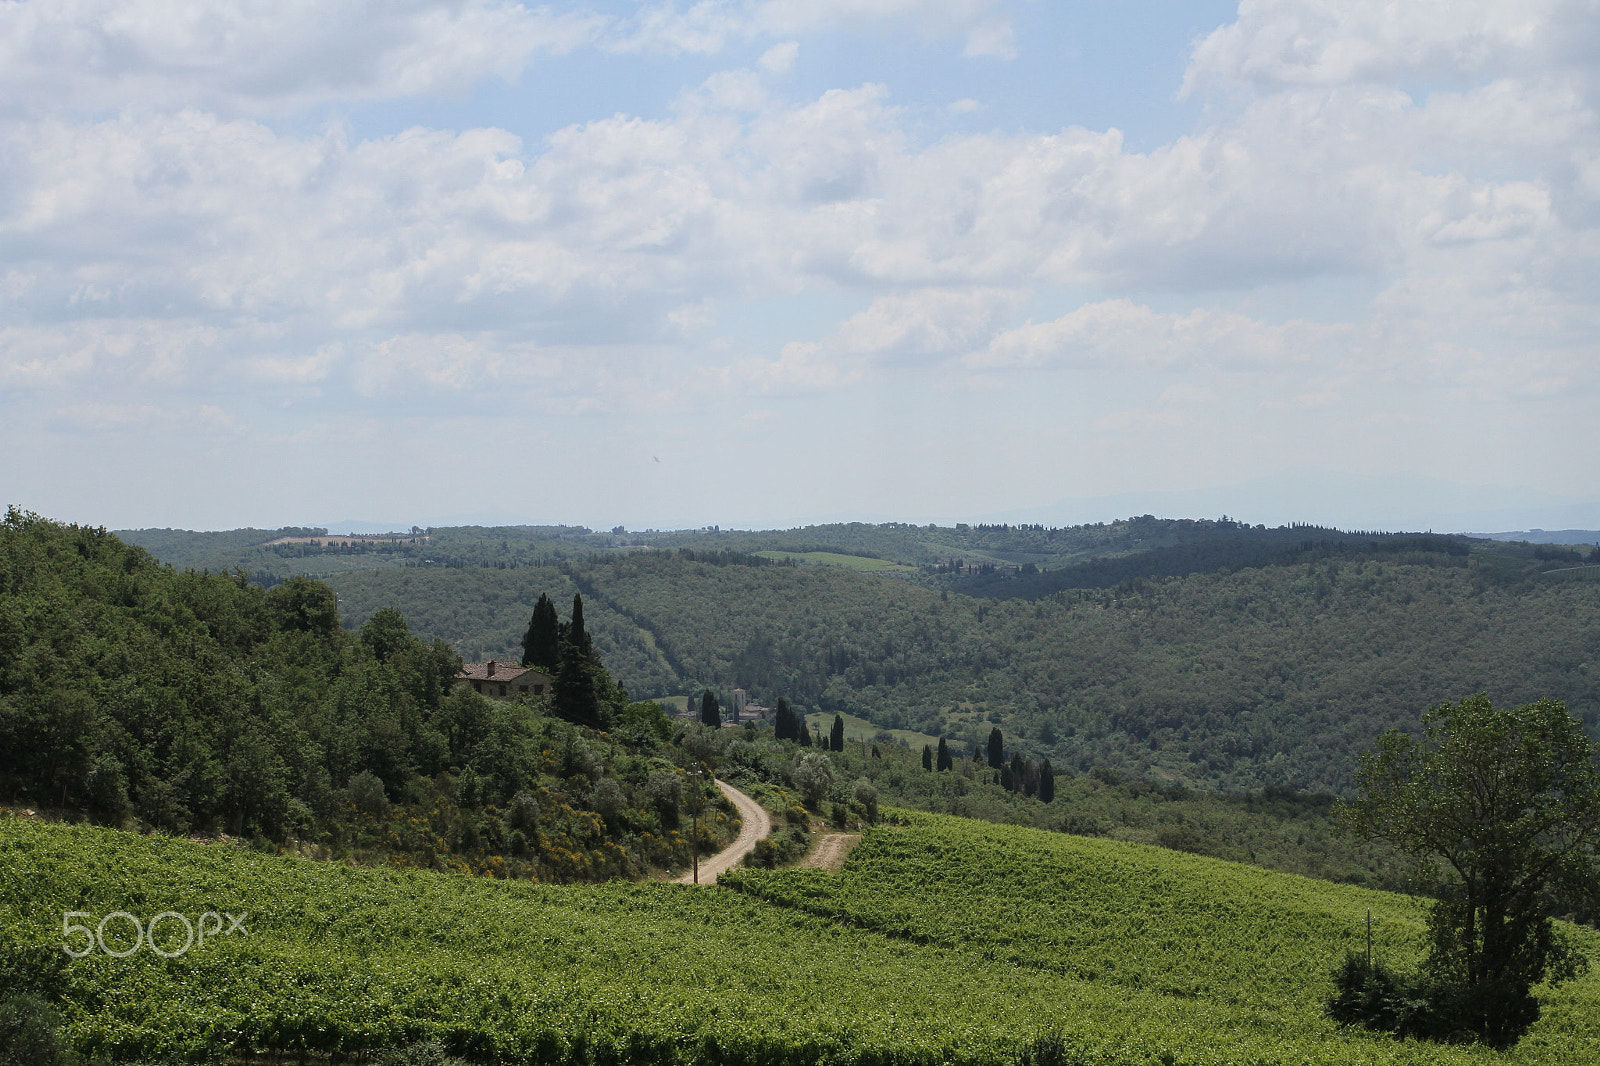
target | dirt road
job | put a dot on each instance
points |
(756, 826)
(831, 850)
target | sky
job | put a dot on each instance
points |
(758, 263)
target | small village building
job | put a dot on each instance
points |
(503, 680)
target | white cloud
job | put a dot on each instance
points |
(707, 27)
(1116, 333)
(265, 56)
(1278, 43)
(779, 59)
(629, 231)
(185, 245)
(925, 323)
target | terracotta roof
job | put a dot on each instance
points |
(503, 671)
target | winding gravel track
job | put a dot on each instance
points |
(831, 850)
(756, 826)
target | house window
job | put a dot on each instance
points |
(502, 690)
(538, 690)
(477, 686)
(522, 688)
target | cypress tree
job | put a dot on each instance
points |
(946, 761)
(1047, 783)
(783, 721)
(577, 635)
(927, 758)
(836, 734)
(710, 711)
(802, 731)
(997, 749)
(541, 644)
(1022, 774)
(572, 691)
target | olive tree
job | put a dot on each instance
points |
(1503, 807)
(814, 776)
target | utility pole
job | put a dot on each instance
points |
(694, 833)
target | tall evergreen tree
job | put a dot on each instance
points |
(946, 761)
(802, 731)
(997, 749)
(541, 644)
(927, 757)
(573, 691)
(783, 721)
(710, 710)
(1022, 774)
(836, 734)
(1047, 783)
(577, 635)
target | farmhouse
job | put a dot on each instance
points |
(504, 680)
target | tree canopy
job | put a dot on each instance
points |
(1504, 804)
(710, 710)
(541, 644)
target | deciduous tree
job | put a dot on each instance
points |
(1505, 805)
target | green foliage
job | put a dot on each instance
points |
(29, 1033)
(710, 711)
(941, 943)
(541, 644)
(814, 777)
(1508, 801)
(1278, 675)
(202, 703)
(786, 725)
(1276, 828)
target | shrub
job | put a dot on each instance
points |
(28, 1033)
(366, 792)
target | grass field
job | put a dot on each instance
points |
(859, 729)
(942, 942)
(849, 562)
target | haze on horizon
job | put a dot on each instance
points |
(767, 262)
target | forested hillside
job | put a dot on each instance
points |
(1205, 652)
(1276, 674)
(188, 702)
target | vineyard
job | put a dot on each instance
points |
(942, 941)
